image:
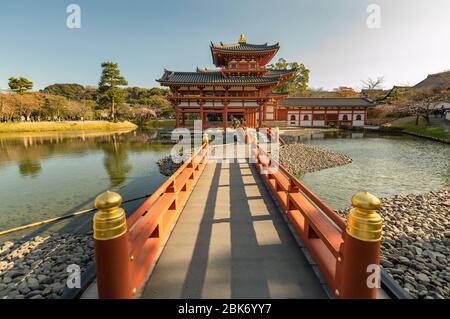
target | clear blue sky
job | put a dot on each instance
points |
(144, 37)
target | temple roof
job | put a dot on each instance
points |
(245, 47)
(264, 52)
(204, 76)
(331, 101)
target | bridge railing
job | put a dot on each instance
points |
(346, 253)
(126, 250)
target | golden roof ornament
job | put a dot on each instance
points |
(242, 39)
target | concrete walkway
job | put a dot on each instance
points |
(232, 242)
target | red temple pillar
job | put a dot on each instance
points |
(260, 115)
(177, 117)
(225, 118)
(202, 116)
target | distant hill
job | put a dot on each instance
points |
(435, 81)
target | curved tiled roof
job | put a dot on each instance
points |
(329, 101)
(278, 72)
(245, 47)
(216, 77)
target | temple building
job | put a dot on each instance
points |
(321, 112)
(241, 88)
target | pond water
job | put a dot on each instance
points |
(43, 176)
(382, 164)
(54, 174)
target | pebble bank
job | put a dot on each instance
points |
(415, 247)
(37, 268)
(302, 158)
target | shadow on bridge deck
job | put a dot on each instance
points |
(232, 242)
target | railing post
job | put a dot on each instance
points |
(112, 260)
(361, 251)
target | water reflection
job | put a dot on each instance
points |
(116, 162)
(55, 174)
(382, 164)
(30, 168)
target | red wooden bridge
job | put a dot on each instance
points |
(236, 229)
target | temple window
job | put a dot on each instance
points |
(358, 117)
(305, 118)
(345, 118)
(318, 117)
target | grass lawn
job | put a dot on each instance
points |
(159, 124)
(408, 124)
(65, 126)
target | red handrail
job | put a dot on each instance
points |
(123, 262)
(319, 226)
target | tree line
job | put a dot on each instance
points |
(111, 100)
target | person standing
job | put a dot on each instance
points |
(233, 121)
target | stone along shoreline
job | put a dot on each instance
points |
(37, 268)
(302, 158)
(415, 247)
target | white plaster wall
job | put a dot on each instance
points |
(356, 122)
(305, 123)
(292, 122)
(302, 116)
(318, 123)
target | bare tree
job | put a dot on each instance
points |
(373, 84)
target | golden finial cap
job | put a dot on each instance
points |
(110, 221)
(108, 200)
(242, 39)
(363, 221)
(366, 200)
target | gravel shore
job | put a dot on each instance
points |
(415, 248)
(37, 268)
(302, 158)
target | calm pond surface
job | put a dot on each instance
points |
(54, 174)
(59, 173)
(384, 165)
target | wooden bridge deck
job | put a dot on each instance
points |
(232, 242)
